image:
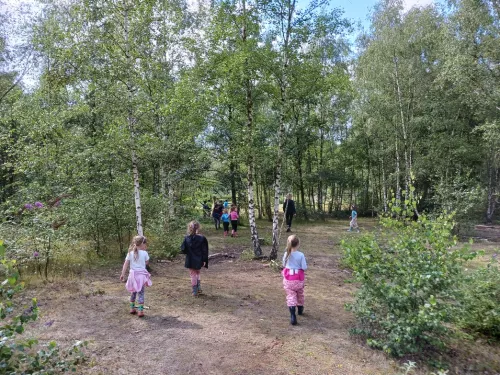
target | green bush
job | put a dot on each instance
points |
(26, 356)
(481, 301)
(409, 272)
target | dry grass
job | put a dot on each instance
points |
(240, 325)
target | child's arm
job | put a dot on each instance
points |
(303, 264)
(184, 246)
(124, 269)
(205, 252)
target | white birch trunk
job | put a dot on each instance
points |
(137, 193)
(283, 83)
(131, 126)
(404, 129)
(250, 161)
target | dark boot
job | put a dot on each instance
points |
(199, 288)
(293, 318)
(195, 291)
(300, 309)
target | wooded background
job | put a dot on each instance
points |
(169, 103)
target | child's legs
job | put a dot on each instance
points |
(300, 297)
(354, 223)
(141, 296)
(226, 226)
(133, 296)
(234, 225)
(291, 294)
(195, 276)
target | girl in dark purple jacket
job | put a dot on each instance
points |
(195, 246)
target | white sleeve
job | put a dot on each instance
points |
(284, 256)
(303, 263)
(147, 256)
(128, 256)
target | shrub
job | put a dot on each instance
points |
(409, 272)
(26, 356)
(481, 301)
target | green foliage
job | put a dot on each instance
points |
(247, 255)
(480, 301)
(26, 356)
(409, 272)
(275, 265)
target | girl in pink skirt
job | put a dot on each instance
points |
(294, 263)
(138, 276)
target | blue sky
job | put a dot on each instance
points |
(359, 10)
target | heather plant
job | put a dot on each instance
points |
(409, 273)
(480, 301)
(20, 355)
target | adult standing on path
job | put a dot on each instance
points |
(289, 210)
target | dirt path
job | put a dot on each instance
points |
(240, 325)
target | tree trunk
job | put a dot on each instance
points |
(131, 126)
(267, 204)
(384, 185)
(301, 183)
(493, 175)
(259, 200)
(250, 161)
(403, 128)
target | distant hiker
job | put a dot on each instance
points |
(195, 246)
(225, 222)
(226, 204)
(206, 209)
(354, 219)
(138, 276)
(289, 210)
(216, 213)
(294, 263)
(233, 215)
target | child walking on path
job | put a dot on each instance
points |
(195, 246)
(225, 222)
(233, 215)
(216, 213)
(294, 263)
(354, 219)
(138, 277)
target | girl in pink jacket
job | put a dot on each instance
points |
(233, 216)
(138, 277)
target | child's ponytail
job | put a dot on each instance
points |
(292, 241)
(136, 242)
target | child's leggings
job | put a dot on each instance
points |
(141, 297)
(217, 222)
(226, 226)
(234, 225)
(294, 292)
(195, 276)
(354, 223)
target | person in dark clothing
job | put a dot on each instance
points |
(216, 214)
(289, 210)
(195, 246)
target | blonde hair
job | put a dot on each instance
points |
(193, 228)
(136, 241)
(225, 210)
(292, 241)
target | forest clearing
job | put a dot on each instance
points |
(353, 146)
(240, 325)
